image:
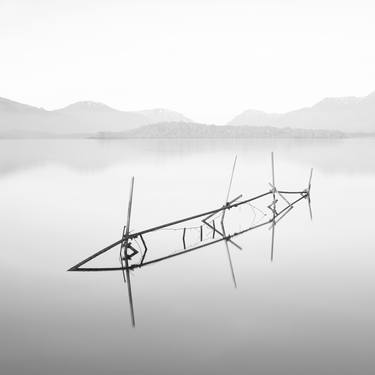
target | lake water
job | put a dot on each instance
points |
(310, 311)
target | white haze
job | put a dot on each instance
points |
(209, 60)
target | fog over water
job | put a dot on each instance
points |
(310, 311)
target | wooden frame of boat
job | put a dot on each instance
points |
(127, 237)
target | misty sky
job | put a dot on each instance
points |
(208, 59)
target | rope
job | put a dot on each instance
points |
(207, 235)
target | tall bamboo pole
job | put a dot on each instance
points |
(229, 188)
(125, 245)
(273, 204)
(229, 257)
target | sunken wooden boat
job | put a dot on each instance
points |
(212, 222)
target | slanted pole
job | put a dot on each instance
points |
(121, 255)
(309, 187)
(229, 188)
(230, 264)
(310, 209)
(229, 256)
(272, 240)
(126, 245)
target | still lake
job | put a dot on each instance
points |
(310, 311)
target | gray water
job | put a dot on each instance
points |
(310, 311)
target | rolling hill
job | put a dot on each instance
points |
(330, 117)
(17, 119)
(348, 114)
(195, 130)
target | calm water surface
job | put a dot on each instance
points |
(310, 311)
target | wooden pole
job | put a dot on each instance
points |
(229, 187)
(273, 205)
(229, 257)
(308, 192)
(309, 187)
(231, 264)
(310, 209)
(183, 238)
(122, 256)
(272, 240)
(273, 179)
(125, 245)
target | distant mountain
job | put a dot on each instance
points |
(255, 118)
(348, 114)
(86, 107)
(163, 115)
(194, 130)
(17, 119)
(10, 106)
(92, 117)
(331, 117)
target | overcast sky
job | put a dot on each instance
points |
(208, 59)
